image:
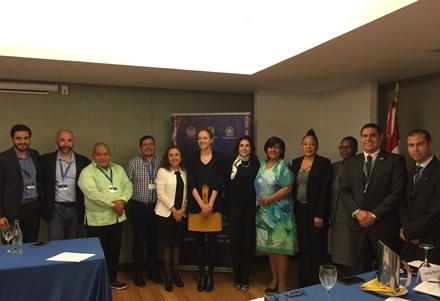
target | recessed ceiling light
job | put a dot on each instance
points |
(229, 36)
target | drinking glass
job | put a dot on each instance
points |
(426, 247)
(328, 276)
(7, 235)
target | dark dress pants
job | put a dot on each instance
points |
(110, 238)
(366, 248)
(312, 244)
(143, 220)
(241, 224)
(29, 217)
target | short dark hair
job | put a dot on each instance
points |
(374, 126)
(166, 163)
(271, 143)
(251, 143)
(419, 132)
(353, 141)
(20, 128)
(145, 138)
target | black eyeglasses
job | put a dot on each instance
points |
(286, 296)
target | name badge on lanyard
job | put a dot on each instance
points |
(62, 187)
(112, 188)
(30, 186)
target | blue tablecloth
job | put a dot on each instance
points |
(341, 292)
(30, 276)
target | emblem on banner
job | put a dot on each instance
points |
(212, 130)
(191, 131)
(229, 131)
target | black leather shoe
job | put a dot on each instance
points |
(168, 284)
(139, 280)
(201, 284)
(209, 286)
(155, 278)
(269, 290)
(177, 280)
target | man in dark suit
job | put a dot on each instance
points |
(420, 211)
(63, 209)
(372, 188)
(20, 184)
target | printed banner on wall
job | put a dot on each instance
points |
(227, 128)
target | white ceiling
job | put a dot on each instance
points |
(397, 46)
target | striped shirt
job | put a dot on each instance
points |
(141, 174)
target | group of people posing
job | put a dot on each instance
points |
(276, 207)
(362, 199)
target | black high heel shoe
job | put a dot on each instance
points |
(168, 284)
(177, 280)
(202, 283)
(209, 283)
(270, 291)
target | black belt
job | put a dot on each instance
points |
(67, 204)
(144, 204)
(30, 200)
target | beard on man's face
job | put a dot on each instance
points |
(65, 150)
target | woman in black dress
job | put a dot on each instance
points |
(171, 210)
(205, 180)
(241, 170)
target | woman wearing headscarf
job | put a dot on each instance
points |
(312, 196)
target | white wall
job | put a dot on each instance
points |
(287, 115)
(333, 115)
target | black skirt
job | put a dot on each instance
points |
(169, 231)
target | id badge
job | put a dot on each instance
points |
(152, 186)
(62, 187)
(112, 189)
(30, 186)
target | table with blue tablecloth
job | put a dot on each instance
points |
(30, 276)
(341, 292)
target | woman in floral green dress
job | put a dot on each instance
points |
(275, 221)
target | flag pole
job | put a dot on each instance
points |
(392, 133)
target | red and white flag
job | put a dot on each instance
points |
(392, 142)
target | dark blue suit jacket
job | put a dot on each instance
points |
(11, 183)
(420, 212)
(385, 192)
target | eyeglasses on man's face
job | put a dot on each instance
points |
(344, 147)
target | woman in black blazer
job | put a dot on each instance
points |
(312, 197)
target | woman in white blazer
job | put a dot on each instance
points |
(171, 211)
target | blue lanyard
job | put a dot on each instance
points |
(63, 174)
(26, 167)
(106, 175)
(149, 169)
